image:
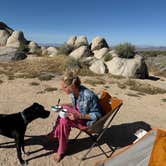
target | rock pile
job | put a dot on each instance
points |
(78, 47)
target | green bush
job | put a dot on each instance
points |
(125, 50)
(73, 65)
(23, 48)
(107, 57)
(65, 49)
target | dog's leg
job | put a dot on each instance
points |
(18, 147)
(22, 145)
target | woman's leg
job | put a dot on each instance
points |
(62, 130)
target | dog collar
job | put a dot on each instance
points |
(24, 118)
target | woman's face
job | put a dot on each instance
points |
(67, 88)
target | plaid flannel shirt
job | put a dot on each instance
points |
(88, 103)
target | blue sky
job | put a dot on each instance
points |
(140, 22)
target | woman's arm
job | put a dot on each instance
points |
(75, 116)
(84, 116)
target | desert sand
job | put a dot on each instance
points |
(17, 94)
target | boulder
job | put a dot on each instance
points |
(81, 41)
(4, 35)
(3, 26)
(44, 50)
(71, 41)
(16, 39)
(33, 47)
(113, 53)
(100, 53)
(7, 50)
(98, 43)
(98, 67)
(6, 53)
(134, 68)
(80, 52)
(52, 51)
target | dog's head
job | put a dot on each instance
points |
(40, 111)
(35, 111)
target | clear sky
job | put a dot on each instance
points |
(140, 22)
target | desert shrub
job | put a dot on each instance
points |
(73, 64)
(125, 50)
(107, 57)
(65, 49)
(23, 48)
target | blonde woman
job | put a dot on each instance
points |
(84, 111)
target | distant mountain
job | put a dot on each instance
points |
(151, 48)
(146, 48)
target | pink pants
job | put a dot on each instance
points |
(62, 129)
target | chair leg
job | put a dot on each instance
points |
(96, 143)
(85, 155)
(78, 135)
(74, 140)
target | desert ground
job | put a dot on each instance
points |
(17, 94)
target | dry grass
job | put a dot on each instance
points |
(132, 94)
(94, 81)
(36, 67)
(32, 68)
(144, 88)
(34, 83)
(50, 89)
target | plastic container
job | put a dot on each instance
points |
(56, 108)
(63, 113)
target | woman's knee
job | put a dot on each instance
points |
(64, 121)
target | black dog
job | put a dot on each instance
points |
(14, 125)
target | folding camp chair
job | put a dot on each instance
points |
(110, 106)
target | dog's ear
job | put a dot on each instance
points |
(35, 104)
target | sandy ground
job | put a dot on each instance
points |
(15, 95)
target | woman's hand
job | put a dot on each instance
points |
(73, 116)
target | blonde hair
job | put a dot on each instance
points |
(70, 78)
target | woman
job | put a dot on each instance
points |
(84, 111)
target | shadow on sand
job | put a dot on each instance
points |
(153, 78)
(116, 136)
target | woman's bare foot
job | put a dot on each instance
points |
(57, 157)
